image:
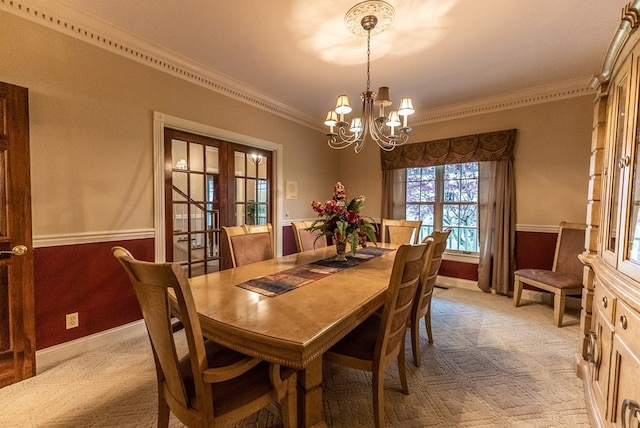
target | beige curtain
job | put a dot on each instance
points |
(494, 151)
(497, 226)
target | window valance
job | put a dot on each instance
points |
(490, 146)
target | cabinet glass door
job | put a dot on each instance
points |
(615, 166)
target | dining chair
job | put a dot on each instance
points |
(380, 339)
(400, 231)
(211, 385)
(422, 303)
(248, 244)
(565, 277)
(307, 239)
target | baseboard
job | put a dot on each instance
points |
(50, 357)
(447, 281)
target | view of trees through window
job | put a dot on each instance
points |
(445, 196)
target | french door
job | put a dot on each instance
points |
(210, 183)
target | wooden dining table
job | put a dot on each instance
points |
(295, 328)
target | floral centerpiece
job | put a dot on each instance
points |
(341, 220)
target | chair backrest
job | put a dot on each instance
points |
(403, 284)
(227, 260)
(307, 239)
(400, 231)
(151, 283)
(429, 272)
(248, 244)
(569, 245)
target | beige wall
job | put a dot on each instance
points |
(91, 139)
(91, 129)
(551, 159)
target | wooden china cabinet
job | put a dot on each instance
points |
(610, 361)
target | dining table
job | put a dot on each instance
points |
(294, 327)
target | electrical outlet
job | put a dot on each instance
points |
(72, 320)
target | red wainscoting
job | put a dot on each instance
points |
(87, 279)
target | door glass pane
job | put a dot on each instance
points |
(180, 218)
(179, 181)
(239, 164)
(179, 154)
(212, 159)
(633, 237)
(240, 219)
(197, 187)
(240, 196)
(196, 157)
(261, 191)
(262, 169)
(198, 217)
(251, 190)
(180, 248)
(615, 170)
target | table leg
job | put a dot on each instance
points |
(310, 407)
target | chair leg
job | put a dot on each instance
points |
(415, 340)
(402, 369)
(378, 397)
(163, 409)
(559, 301)
(517, 291)
(427, 322)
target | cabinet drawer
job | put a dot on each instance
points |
(604, 301)
(627, 326)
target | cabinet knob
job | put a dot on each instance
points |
(627, 160)
(621, 163)
(623, 322)
(605, 302)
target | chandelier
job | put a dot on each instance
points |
(388, 132)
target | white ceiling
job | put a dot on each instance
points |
(298, 53)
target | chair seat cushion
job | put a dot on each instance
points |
(360, 343)
(234, 393)
(554, 279)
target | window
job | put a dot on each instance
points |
(445, 196)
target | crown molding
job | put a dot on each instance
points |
(62, 18)
(527, 97)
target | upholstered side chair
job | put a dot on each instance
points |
(565, 277)
(248, 244)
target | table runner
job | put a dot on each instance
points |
(290, 279)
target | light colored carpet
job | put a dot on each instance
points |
(491, 365)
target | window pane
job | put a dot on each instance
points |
(445, 196)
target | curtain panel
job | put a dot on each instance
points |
(494, 151)
(487, 147)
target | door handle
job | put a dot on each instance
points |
(18, 250)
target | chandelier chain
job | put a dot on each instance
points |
(368, 60)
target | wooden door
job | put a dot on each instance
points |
(17, 316)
